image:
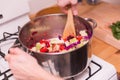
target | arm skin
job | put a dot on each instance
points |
(25, 67)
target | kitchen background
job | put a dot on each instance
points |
(111, 54)
(36, 5)
(106, 58)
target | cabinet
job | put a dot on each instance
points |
(11, 9)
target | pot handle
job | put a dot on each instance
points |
(2, 54)
(92, 21)
(8, 36)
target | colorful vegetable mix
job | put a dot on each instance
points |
(115, 27)
(60, 45)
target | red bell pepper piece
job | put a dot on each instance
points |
(44, 49)
(79, 37)
(62, 47)
(45, 42)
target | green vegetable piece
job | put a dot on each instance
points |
(118, 29)
(115, 27)
(38, 46)
(79, 45)
(73, 40)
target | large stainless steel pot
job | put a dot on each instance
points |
(67, 64)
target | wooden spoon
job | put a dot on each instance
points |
(69, 27)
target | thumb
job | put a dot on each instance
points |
(74, 10)
(7, 57)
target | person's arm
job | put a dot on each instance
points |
(25, 67)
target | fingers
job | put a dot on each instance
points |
(63, 4)
(73, 2)
(7, 57)
(10, 55)
(13, 52)
(74, 6)
(74, 10)
(16, 51)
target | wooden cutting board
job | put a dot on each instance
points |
(104, 14)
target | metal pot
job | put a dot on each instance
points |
(67, 64)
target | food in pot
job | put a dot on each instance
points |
(61, 45)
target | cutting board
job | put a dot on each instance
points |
(104, 14)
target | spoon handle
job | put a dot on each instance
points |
(69, 27)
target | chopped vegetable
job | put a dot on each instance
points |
(83, 33)
(61, 45)
(73, 40)
(115, 27)
(44, 49)
(38, 46)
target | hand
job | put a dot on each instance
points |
(25, 67)
(64, 3)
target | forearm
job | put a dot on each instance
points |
(44, 75)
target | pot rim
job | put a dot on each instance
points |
(52, 53)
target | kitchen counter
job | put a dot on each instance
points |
(98, 12)
(101, 48)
